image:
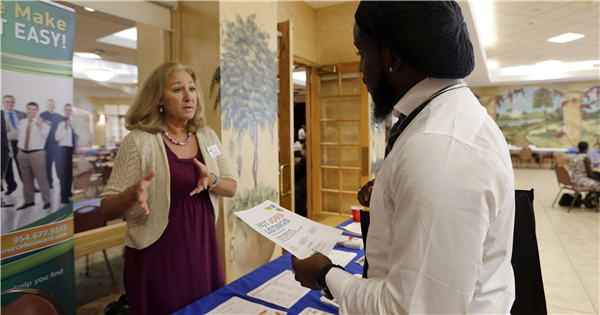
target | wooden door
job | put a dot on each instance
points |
(340, 138)
(286, 116)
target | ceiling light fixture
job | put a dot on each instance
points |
(485, 19)
(99, 74)
(87, 55)
(120, 71)
(492, 64)
(549, 63)
(89, 9)
(567, 37)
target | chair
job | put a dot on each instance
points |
(31, 302)
(530, 297)
(564, 182)
(526, 155)
(81, 184)
(545, 156)
(87, 218)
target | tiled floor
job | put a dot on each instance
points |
(569, 249)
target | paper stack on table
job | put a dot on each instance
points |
(353, 229)
(236, 306)
(296, 234)
(340, 257)
(282, 290)
(312, 311)
(350, 242)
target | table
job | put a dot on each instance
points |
(261, 275)
(549, 152)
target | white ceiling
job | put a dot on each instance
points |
(523, 30)
(321, 4)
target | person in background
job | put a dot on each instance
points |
(594, 155)
(582, 174)
(4, 152)
(300, 183)
(32, 157)
(64, 154)
(302, 134)
(51, 147)
(14, 117)
(167, 179)
(442, 206)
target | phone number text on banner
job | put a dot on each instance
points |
(21, 242)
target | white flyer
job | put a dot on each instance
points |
(282, 290)
(296, 234)
(353, 229)
(236, 305)
(340, 257)
(312, 311)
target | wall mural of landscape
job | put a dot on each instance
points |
(536, 116)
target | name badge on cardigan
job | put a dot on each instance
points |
(214, 151)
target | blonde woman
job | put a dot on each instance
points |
(167, 177)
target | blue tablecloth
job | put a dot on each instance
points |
(261, 275)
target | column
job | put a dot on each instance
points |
(572, 119)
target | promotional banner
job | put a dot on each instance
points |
(37, 264)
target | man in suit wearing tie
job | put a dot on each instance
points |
(51, 146)
(13, 116)
(32, 139)
(66, 140)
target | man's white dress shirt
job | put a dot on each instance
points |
(37, 138)
(442, 215)
(63, 135)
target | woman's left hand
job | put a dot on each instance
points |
(205, 178)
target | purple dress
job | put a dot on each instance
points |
(183, 265)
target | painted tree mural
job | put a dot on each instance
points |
(248, 82)
(542, 98)
(590, 113)
(531, 115)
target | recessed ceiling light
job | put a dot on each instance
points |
(89, 9)
(567, 37)
(99, 74)
(492, 65)
(87, 55)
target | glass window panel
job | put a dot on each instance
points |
(350, 180)
(351, 132)
(351, 156)
(330, 131)
(350, 83)
(331, 202)
(330, 179)
(348, 201)
(351, 107)
(330, 155)
(329, 84)
(329, 108)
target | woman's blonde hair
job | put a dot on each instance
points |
(144, 113)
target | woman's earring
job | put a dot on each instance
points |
(160, 109)
(391, 70)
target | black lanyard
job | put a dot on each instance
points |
(402, 123)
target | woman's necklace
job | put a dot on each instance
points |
(177, 142)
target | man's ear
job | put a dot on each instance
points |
(391, 61)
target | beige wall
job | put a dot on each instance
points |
(561, 86)
(335, 43)
(199, 47)
(304, 20)
(152, 49)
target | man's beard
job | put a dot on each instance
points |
(383, 99)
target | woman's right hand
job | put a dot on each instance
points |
(141, 191)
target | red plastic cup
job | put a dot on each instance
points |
(356, 213)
